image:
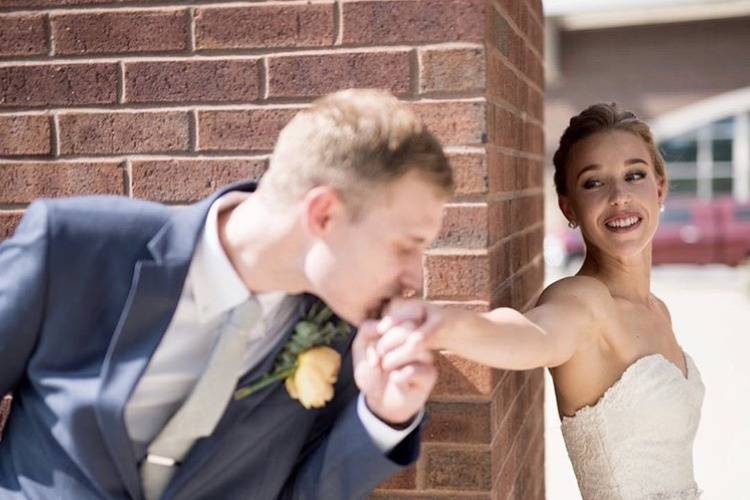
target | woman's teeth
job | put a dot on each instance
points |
(620, 223)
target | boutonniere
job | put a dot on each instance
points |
(309, 367)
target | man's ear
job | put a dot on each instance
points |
(566, 207)
(320, 205)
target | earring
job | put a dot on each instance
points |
(572, 224)
(661, 208)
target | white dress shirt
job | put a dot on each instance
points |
(212, 288)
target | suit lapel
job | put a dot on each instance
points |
(154, 294)
(149, 309)
(204, 449)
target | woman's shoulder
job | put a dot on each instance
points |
(585, 285)
(584, 291)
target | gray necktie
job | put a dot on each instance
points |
(201, 411)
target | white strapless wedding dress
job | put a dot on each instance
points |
(636, 442)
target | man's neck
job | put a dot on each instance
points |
(264, 246)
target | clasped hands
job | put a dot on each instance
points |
(393, 361)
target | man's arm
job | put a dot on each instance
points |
(23, 278)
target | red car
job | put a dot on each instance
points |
(692, 231)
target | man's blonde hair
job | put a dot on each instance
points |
(354, 140)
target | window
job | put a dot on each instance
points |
(699, 162)
(707, 146)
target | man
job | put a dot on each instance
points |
(125, 326)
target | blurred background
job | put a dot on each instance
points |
(684, 67)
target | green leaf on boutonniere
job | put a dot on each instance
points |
(318, 326)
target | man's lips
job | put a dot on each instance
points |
(376, 312)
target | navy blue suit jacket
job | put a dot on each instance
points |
(88, 287)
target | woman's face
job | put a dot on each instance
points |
(613, 193)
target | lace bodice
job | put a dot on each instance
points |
(636, 442)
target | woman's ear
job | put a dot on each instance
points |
(661, 188)
(566, 207)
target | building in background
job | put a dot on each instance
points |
(682, 65)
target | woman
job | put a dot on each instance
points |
(628, 396)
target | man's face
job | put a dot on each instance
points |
(358, 265)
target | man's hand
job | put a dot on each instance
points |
(427, 322)
(395, 395)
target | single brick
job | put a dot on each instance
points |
(406, 21)
(461, 377)
(451, 70)
(308, 76)
(454, 123)
(457, 276)
(504, 128)
(265, 26)
(503, 171)
(58, 85)
(120, 32)
(249, 130)
(116, 133)
(22, 35)
(457, 469)
(500, 221)
(465, 225)
(458, 423)
(533, 138)
(24, 182)
(469, 173)
(180, 81)
(185, 181)
(25, 135)
(503, 84)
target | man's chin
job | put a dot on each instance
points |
(358, 317)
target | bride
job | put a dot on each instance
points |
(629, 397)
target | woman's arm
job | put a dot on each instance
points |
(568, 313)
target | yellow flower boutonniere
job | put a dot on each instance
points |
(309, 367)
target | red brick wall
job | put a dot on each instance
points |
(170, 102)
(485, 438)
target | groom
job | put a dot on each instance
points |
(126, 326)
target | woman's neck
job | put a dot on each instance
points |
(627, 278)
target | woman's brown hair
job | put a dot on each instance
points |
(602, 118)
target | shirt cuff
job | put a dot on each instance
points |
(383, 435)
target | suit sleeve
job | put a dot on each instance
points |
(23, 276)
(343, 461)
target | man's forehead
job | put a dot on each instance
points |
(416, 219)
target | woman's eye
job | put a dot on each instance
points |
(591, 183)
(635, 176)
